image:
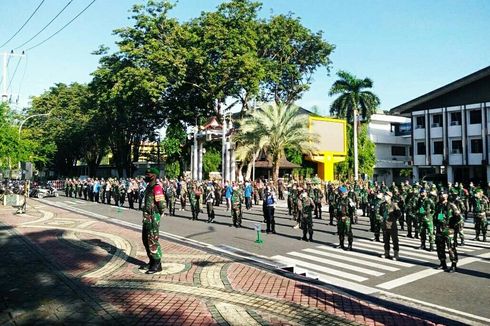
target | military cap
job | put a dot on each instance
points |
(153, 171)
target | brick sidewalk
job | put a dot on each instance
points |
(65, 268)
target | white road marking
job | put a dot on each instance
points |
(336, 263)
(319, 268)
(404, 251)
(425, 273)
(352, 260)
(366, 256)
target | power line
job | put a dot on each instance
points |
(62, 28)
(28, 19)
(22, 78)
(46, 26)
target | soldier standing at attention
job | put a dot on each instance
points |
(390, 211)
(236, 200)
(425, 211)
(307, 207)
(209, 198)
(343, 219)
(480, 211)
(191, 191)
(152, 211)
(446, 217)
(317, 199)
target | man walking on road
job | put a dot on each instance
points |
(152, 211)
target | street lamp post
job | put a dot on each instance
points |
(23, 121)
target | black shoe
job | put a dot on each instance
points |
(409, 235)
(273, 232)
(155, 268)
(144, 267)
(452, 269)
(442, 265)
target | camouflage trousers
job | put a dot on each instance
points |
(344, 229)
(443, 241)
(150, 236)
(426, 230)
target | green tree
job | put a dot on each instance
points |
(367, 155)
(353, 98)
(277, 127)
(211, 161)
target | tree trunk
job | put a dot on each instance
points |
(248, 174)
(275, 172)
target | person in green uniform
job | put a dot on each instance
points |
(307, 207)
(171, 197)
(377, 217)
(332, 200)
(411, 213)
(446, 216)
(153, 209)
(236, 206)
(344, 228)
(425, 212)
(317, 199)
(192, 192)
(390, 212)
(459, 226)
(480, 215)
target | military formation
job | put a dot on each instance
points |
(433, 214)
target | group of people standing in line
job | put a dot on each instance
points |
(431, 213)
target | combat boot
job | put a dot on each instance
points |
(484, 238)
(422, 246)
(453, 268)
(349, 247)
(409, 235)
(155, 267)
(431, 247)
(311, 237)
(442, 265)
(416, 235)
(386, 255)
(145, 267)
(395, 256)
(477, 238)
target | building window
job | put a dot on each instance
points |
(476, 146)
(398, 151)
(421, 148)
(420, 122)
(436, 120)
(456, 147)
(475, 117)
(438, 147)
(455, 118)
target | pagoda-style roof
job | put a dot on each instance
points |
(212, 124)
(265, 161)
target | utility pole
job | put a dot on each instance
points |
(5, 83)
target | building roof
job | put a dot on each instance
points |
(474, 88)
(283, 164)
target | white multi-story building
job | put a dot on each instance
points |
(450, 130)
(392, 137)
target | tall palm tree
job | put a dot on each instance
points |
(353, 99)
(276, 127)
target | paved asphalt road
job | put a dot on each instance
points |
(412, 280)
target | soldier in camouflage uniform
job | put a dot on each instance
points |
(344, 228)
(425, 212)
(411, 213)
(446, 216)
(171, 197)
(390, 212)
(191, 194)
(459, 226)
(480, 215)
(332, 201)
(153, 209)
(353, 208)
(376, 216)
(236, 206)
(307, 206)
(317, 199)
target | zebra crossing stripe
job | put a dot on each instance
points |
(427, 272)
(367, 256)
(318, 268)
(352, 260)
(404, 251)
(336, 263)
(417, 244)
(335, 281)
(482, 245)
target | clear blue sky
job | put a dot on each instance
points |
(407, 47)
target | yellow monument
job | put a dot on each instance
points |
(332, 145)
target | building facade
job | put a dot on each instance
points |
(392, 138)
(450, 130)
